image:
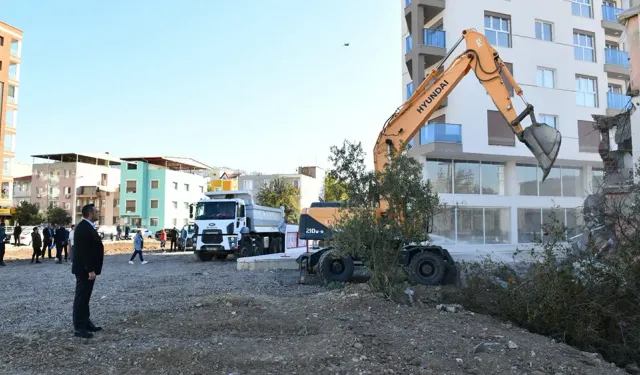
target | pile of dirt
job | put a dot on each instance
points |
(110, 248)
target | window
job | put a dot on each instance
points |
(409, 89)
(67, 173)
(588, 137)
(586, 92)
(471, 225)
(12, 94)
(561, 181)
(581, 8)
(175, 204)
(185, 221)
(545, 77)
(466, 177)
(116, 202)
(507, 84)
(10, 117)
(439, 173)
(544, 30)
(153, 221)
(175, 186)
(155, 184)
(247, 185)
(583, 47)
(497, 30)
(114, 220)
(13, 71)
(597, 178)
(1, 41)
(132, 166)
(469, 177)
(498, 130)
(67, 189)
(174, 221)
(186, 205)
(532, 222)
(492, 178)
(104, 179)
(155, 203)
(132, 186)
(186, 187)
(202, 189)
(130, 206)
(550, 120)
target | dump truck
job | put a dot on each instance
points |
(230, 222)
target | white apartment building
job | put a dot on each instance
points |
(566, 57)
(309, 181)
(21, 189)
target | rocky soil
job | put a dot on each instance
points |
(177, 315)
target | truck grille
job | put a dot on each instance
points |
(212, 236)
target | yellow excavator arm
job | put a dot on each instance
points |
(543, 140)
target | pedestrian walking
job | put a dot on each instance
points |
(16, 232)
(36, 243)
(137, 248)
(87, 265)
(118, 232)
(60, 238)
(3, 236)
(163, 239)
(47, 242)
(126, 232)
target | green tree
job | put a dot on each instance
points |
(361, 230)
(28, 214)
(58, 215)
(281, 193)
(334, 191)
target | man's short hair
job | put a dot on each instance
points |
(86, 209)
(73, 226)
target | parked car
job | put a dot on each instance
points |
(25, 236)
(107, 231)
(146, 233)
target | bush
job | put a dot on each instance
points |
(585, 295)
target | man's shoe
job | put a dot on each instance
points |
(85, 334)
(93, 328)
(130, 262)
(145, 262)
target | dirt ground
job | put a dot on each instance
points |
(177, 315)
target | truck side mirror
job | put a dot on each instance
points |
(191, 211)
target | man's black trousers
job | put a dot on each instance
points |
(84, 288)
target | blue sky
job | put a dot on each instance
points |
(159, 77)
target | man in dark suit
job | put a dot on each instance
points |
(47, 240)
(60, 239)
(87, 258)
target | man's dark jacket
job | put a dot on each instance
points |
(60, 236)
(46, 234)
(88, 253)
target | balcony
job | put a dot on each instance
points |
(616, 64)
(407, 3)
(408, 44)
(610, 21)
(616, 103)
(88, 191)
(439, 139)
(435, 38)
(427, 8)
(409, 89)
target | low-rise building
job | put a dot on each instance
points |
(71, 180)
(224, 180)
(155, 192)
(308, 180)
(21, 190)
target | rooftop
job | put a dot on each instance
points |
(172, 162)
(10, 29)
(23, 178)
(86, 158)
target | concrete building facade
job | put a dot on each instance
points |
(71, 180)
(309, 180)
(10, 53)
(21, 190)
(155, 192)
(566, 57)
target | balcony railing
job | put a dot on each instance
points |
(15, 51)
(445, 133)
(435, 38)
(409, 89)
(408, 43)
(610, 13)
(615, 57)
(406, 3)
(617, 101)
(12, 99)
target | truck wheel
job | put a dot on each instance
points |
(205, 257)
(221, 256)
(335, 268)
(427, 269)
(259, 246)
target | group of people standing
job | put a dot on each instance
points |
(60, 237)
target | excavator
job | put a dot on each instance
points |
(429, 264)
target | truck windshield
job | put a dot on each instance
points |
(215, 210)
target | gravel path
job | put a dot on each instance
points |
(177, 315)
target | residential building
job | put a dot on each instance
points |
(224, 180)
(155, 192)
(21, 190)
(10, 52)
(105, 198)
(72, 180)
(309, 180)
(566, 58)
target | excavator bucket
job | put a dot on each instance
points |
(544, 142)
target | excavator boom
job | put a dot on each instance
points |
(541, 139)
